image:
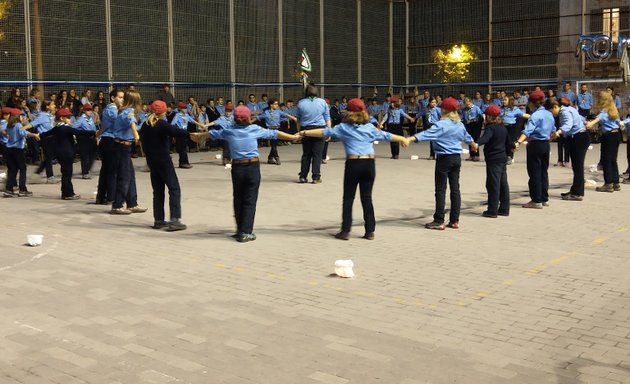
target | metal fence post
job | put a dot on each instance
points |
(321, 45)
(27, 42)
(232, 53)
(108, 37)
(171, 47)
(359, 74)
(280, 53)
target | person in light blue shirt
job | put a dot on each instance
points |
(312, 112)
(498, 99)
(585, 101)
(572, 128)
(16, 162)
(243, 139)
(226, 121)
(608, 121)
(394, 119)
(107, 176)
(374, 110)
(263, 103)
(253, 105)
(520, 100)
(510, 115)
(568, 93)
(358, 136)
(616, 98)
(447, 136)
(472, 117)
(86, 144)
(386, 103)
(478, 100)
(537, 132)
(220, 106)
(181, 121)
(272, 117)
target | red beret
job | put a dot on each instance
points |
(63, 112)
(393, 99)
(229, 107)
(565, 99)
(356, 105)
(449, 104)
(327, 100)
(181, 104)
(158, 106)
(493, 111)
(242, 112)
(87, 107)
(6, 110)
(537, 95)
(15, 111)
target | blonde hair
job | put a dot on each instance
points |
(154, 118)
(452, 115)
(361, 117)
(132, 100)
(606, 102)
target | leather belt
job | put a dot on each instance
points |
(245, 161)
(357, 157)
(122, 142)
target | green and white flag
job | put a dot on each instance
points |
(305, 62)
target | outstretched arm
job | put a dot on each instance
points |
(312, 133)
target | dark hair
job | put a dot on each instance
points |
(311, 91)
(32, 105)
(271, 101)
(114, 93)
(550, 103)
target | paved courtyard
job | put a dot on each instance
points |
(537, 297)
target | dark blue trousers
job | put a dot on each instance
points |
(447, 170)
(163, 175)
(107, 177)
(125, 178)
(537, 167)
(497, 187)
(245, 184)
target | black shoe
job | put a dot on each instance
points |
(303, 180)
(505, 213)
(369, 236)
(236, 235)
(489, 214)
(563, 194)
(271, 160)
(159, 224)
(245, 237)
(572, 197)
(394, 157)
(435, 225)
(277, 161)
(343, 235)
(185, 166)
(73, 197)
(10, 194)
(25, 194)
(175, 225)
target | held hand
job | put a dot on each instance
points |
(405, 143)
(516, 146)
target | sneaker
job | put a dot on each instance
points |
(545, 203)
(185, 166)
(236, 235)
(572, 197)
(317, 181)
(489, 214)
(476, 158)
(563, 194)
(533, 204)
(303, 180)
(25, 194)
(343, 235)
(277, 161)
(435, 225)
(9, 194)
(73, 197)
(137, 209)
(606, 188)
(175, 225)
(159, 224)
(559, 164)
(271, 160)
(52, 180)
(86, 177)
(510, 161)
(120, 211)
(245, 237)
(503, 213)
(324, 161)
(616, 187)
(454, 225)
(395, 157)
(369, 236)
(431, 158)
(626, 181)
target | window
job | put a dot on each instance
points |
(610, 23)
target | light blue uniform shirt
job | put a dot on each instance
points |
(357, 139)
(540, 125)
(570, 95)
(435, 115)
(385, 107)
(472, 114)
(570, 121)
(43, 122)
(181, 120)
(142, 117)
(243, 140)
(395, 116)
(523, 100)
(224, 122)
(509, 115)
(17, 136)
(585, 100)
(618, 102)
(85, 123)
(478, 103)
(447, 137)
(203, 118)
(262, 105)
(110, 113)
(220, 108)
(312, 112)
(343, 107)
(497, 102)
(3, 127)
(605, 122)
(254, 107)
(424, 103)
(272, 118)
(122, 127)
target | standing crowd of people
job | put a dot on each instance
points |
(116, 128)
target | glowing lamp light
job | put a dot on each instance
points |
(453, 63)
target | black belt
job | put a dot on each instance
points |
(245, 161)
(311, 126)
